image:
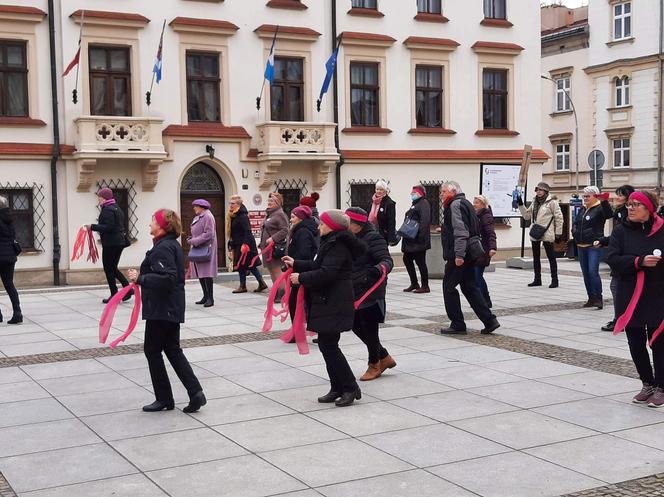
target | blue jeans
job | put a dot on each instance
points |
(243, 275)
(480, 282)
(589, 260)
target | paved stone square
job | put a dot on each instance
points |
(540, 409)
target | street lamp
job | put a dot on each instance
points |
(576, 128)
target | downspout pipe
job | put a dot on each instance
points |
(660, 98)
(55, 155)
(335, 108)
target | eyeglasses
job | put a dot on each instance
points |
(586, 196)
(537, 189)
(632, 204)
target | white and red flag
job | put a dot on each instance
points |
(77, 58)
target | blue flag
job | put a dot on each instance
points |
(330, 65)
(156, 69)
(269, 67)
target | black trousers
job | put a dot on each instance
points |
(638, 348)
(341, 376)
(550, 254)
(110, 258)
(7, 276)
(463, 277)
(419, 258)
(365, 326)
(164, 336)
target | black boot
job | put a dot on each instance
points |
(413, 286)
(347, 398)
(158, 405)
(329, 397)
(490, 327)
(537, 281)
(209, 299)
(554, 282)
(204, 287)
(609, 326)
(17, 318)
(128, 296)
(196, 402)
(0, 316)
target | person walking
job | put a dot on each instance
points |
(462, 250)
(635, 255)
(589, 228)
(488, 236)
(328, 285)
(547, 227)
(238, 235)
(303, 242)
(415, 249)
(619, 216)
(9, 250)
(111, 228)
(204, 235)
(382, 213)
(161, 277)
(275, 231)
(367, 271)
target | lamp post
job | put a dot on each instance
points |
(576, 128)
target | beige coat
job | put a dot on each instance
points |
(547, 211)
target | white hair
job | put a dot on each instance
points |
(452, 186)
(591, 190)
(3, 202)
(482, 199)
(382, 184)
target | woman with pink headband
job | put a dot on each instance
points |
(635, 256)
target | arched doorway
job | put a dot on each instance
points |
(202, 181)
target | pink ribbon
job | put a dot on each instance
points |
(244, 253)
(106, 320)
(79, 244)
(270, 311)
(93, 253)
(267, 251)
(371, 290)
(298, 329)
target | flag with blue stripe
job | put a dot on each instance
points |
(269, 67)
(156, 69)
(330, 65)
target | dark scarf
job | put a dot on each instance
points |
(537, 203)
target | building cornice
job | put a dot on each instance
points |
(440, 155)
(287, 32)
(205, 26)
(614, 64)
(27, 150)
(442, 44)
(206, 131)
(21, 14)
(107, 18)
(286, 4)
(494, 47)
(427, 17)
(366, 39)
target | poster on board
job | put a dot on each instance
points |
(497, 184)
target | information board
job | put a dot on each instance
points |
(256, 220)
(497, 184)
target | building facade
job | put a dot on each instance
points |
(426, 91)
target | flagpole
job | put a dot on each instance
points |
(74, 93)
(148, 95)
(260, 96)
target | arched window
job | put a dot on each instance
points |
(622, 91)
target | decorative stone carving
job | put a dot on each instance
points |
(86, 169)
(150, 174)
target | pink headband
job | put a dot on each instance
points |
(161, 220)
(354, 216)
(643, 198)
(419, 190)
(325, 218)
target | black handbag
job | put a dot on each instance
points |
(17, 247)
(475, 252)
(279, 250)
(409, 229)
(537, 231)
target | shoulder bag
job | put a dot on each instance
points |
(537, 231)
(409, 229)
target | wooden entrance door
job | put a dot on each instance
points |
(201, 181)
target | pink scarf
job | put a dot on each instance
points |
(106, 320)
(375, 206)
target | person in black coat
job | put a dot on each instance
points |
(382, 213)
(635, 251)
(367, 272)
(161, 278)
(488, 236)
(8, 253)
(303, 242)
(328, 286)
(239, 234)
(111, 229)
(415, 250)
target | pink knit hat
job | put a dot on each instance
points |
(303, 212)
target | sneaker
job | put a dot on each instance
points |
(645, 394)
(657, 398)
(609, 326)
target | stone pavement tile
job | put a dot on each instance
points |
(267, 347)
(400, 332)
(292, 358)
(226, 329)
(88, 404)
(352, 459)
(615, 352)
(480, 354)
(453, 405)
(266, 381)
(41, 336)
(534, 367)
(26, 327)
(93, 343)
(24, 390)
(570, 344)
(239, 365)
(596, 383)
(604, 340)
(652, 436)
(36, 348)
(421, 361)
(86, 383)
(407, 322)
(239, 408)
(521, 429)
(40, 437)
(431, 343)
(79, 322)
(179, 448)
(279, 433)
(141, 376)
(434, 445)
(64, 369)
(603, 415)
(416, 483)
(124, 362)
(377, 417)
(359, 350)
(514, 474)
(214, 388)
(32, 411)
(526, 335)
(358, 366)
(305, 399)
(302, 493)
(123, 486)
(12, 375)
(604, 457)
(528, 394)
(136, 423)
(399, 385)
(468, 376)
(244, 476)
(63, 467)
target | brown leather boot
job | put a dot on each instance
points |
(241, 289)
(261, 286)
(387, 363)
(373, 372)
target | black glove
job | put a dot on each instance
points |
(373, 273)
(519, 200)
(559, 238)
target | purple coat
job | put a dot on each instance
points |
(204, 232)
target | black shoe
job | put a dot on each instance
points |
(347, 398)
(208, 303)
(329, 397)
(609, 326)
(196, 402)
(413, 286)
(17, 318)
(158, 405)
(128, 296)
(554, 283)
(314, 340)
(536, 282)
(202, 301)
(106, 300)
(491, 327)
(452, 331)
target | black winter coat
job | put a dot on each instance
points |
(366, 268)
(619, 217)
(7, 237)
(162, 281)
(111, 227)
(328, 283)
(628, 245)
(459, 224)
(487, 232)
(241, 234)
(387, 219)
(420, 211)
(589, 224)
(303, 240)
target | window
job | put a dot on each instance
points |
(13, 79)
(22, 214)
(291, 198)
(429, 96)
(364, 4)
(562, 157)
(495, 9)
(361, 194)
(429, 7)
(364, 94)
(622, 21)
(287, 91)
(563, 87)
(110, 81)
(621, 152)
(203, 86)
(433, 196)
(494, 98)
(622, 91)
